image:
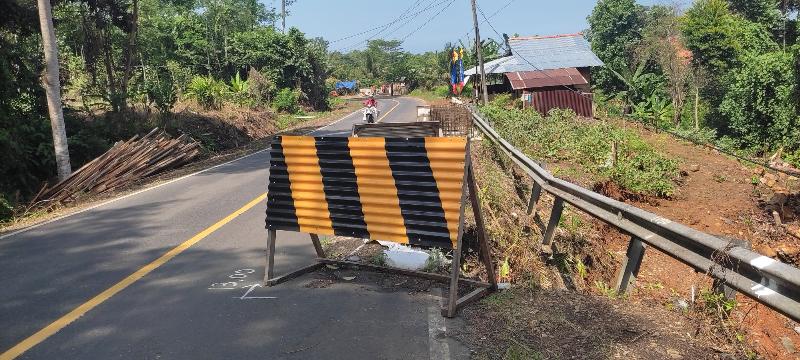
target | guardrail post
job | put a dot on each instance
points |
(718, 286)
(630, 265)
(536, 192)
(555, 217)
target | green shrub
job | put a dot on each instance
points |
(181, 76)
(6, 210)
(260, 88)
(207, 91)
(240, 90)
(287, 101)
(701, 136)
(793, 158)
(162, 92)
(585, 146)
(501, 100)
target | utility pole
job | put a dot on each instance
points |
(52, 87)
(480, 54)
(283, 16)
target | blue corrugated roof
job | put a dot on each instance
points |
(544, 53)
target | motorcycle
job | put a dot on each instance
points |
(370, 114)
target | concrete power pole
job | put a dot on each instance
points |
(480, 54)
(52, 87)
(283, 16)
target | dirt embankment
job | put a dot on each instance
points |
(721, 196)
(554, 310)
(716, 194)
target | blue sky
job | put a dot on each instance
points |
(335, 19)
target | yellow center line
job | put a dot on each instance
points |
(73, 315)
(388, 112)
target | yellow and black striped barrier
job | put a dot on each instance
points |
(407, 190)
(402, 190)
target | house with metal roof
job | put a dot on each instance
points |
(546, 72)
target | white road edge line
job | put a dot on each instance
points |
(34, 226)
(437, 340)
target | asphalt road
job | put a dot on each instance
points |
(174, 273)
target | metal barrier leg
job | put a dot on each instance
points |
(269, 271)
(631, 263)
(719, 286)
(317, 246)
(536, 193)
(555, 217)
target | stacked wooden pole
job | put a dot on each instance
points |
(123, 164)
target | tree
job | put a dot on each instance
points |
(52, 87)
(759, 102)
(764, 12)
(720, 42)
(615, 28)
(663, 45)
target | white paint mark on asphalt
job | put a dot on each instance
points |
(238, 275)
(437, 330)
(251, 288)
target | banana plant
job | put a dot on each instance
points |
(240, 89)
(633, 83)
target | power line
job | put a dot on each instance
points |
(429, 20)
(487, 21)
(402, 16)
(402, 25)
(384, 25)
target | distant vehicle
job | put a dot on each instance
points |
(370, 110)
(346, 87)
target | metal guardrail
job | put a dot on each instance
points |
(767, 281)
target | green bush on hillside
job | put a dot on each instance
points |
(207, 91)
(287, 101)
(585, 145)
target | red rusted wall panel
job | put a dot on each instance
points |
(545, 100)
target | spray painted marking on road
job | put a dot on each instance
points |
(73, 315)
(249, 290)
(238, 275)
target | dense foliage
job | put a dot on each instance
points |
(118, 56)
(723, 70)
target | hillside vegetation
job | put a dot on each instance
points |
(719, 71)
(582, 149)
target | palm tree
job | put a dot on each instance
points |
(52, 88)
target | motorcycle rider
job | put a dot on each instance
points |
(371, 102)
(370, 109)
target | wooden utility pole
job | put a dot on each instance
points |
(480, 54)
(52, 87)
(283, 16)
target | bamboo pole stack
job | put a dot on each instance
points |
(123, 164)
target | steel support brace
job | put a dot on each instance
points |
(536, 193)
(719, 286)
(630, 265)
(555, 217)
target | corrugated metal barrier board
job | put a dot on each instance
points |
(406, 190)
